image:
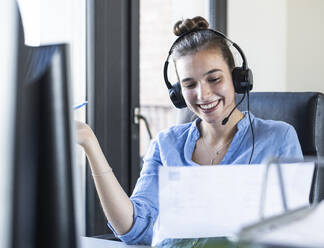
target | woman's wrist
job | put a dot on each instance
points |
(90, 144)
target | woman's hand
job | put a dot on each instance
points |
(84, 133)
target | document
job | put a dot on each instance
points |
(215, 201)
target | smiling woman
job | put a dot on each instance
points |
(208, 80)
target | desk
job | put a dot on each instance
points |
(87, 242)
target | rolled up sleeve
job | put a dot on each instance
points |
(144, 200)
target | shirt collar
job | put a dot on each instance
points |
(244, 123)
(241, 125)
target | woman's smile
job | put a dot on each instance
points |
(209, 107)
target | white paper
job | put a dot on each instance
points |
(213, 201)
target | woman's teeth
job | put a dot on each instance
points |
(209, 106)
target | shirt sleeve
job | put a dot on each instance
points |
(144, 200)
(290, 148)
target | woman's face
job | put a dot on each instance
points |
(206, 83)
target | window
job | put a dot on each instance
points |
(78, 79)
(117, 61)
(112, 91)
(156, 37)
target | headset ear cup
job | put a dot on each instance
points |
(249, 76)
(176, 97)
(242, 80)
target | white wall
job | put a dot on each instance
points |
(259, 28)
(46, 22)
(305, 50)
(7, 111)
(283, 42)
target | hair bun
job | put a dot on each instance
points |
(184, 26)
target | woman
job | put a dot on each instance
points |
(204, 67)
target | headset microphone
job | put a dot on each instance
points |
(226, 119)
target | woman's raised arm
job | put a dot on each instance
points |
(115, 202)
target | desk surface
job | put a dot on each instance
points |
(87, 242)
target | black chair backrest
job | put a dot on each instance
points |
(303, 110)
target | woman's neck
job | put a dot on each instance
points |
(215, 133)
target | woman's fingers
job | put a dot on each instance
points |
(83, 133)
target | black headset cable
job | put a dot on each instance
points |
(248, 107)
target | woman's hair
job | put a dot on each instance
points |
(199, 37)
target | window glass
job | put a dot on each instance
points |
(157, 18)
(78, 79)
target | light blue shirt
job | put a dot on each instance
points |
(175, 146)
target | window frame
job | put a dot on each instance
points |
(218, 15)
(113, 95)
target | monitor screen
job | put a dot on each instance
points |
(43, 212)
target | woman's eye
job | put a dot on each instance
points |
(213, 80)
(189, 85)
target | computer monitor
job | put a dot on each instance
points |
(43, 206)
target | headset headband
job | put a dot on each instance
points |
(166, 64)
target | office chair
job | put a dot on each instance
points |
(303, 110)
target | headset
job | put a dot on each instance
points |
(242, 79)
(242, 76)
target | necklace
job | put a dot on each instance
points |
(217, 150)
